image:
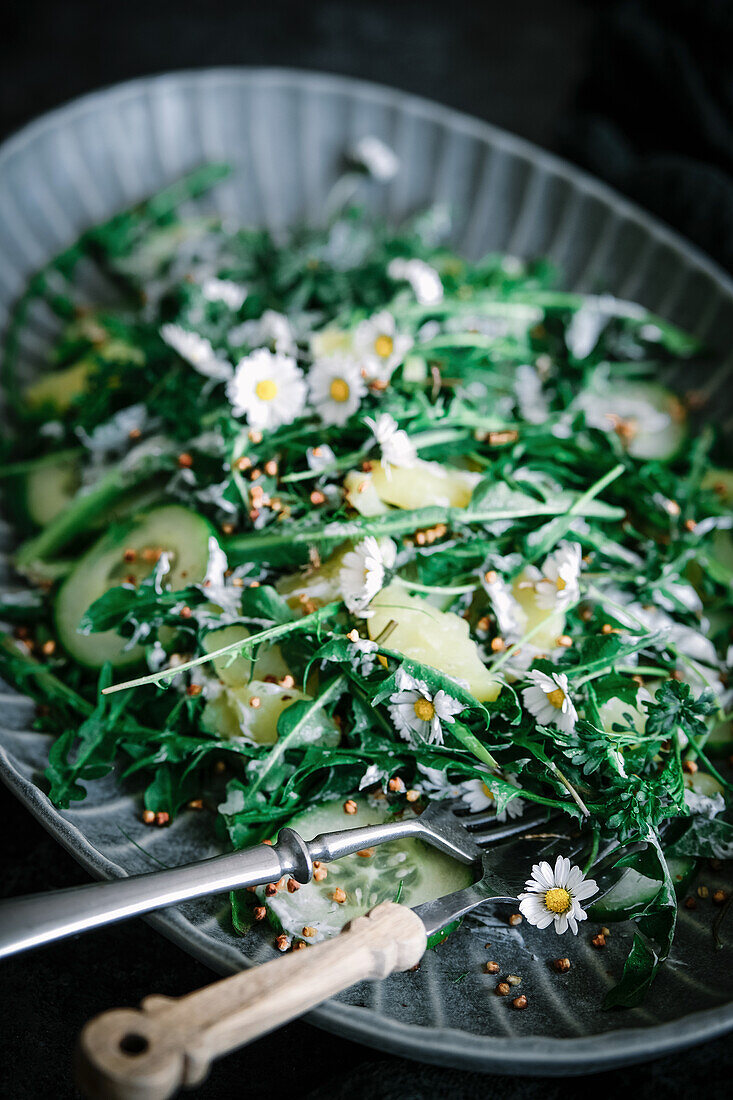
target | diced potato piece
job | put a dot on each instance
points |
(553, 621)
(703, 783)
(437, 638)
(613, 712)
(270, 661)
(424, 483)
(319, 586)
(330, 341)
(58, 389)
(362, 495)
(231, 713)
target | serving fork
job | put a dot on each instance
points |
(150, 1052)
(37, 919)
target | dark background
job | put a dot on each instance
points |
(637, 91)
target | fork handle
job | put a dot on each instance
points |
(150, 1052)
(42, 918)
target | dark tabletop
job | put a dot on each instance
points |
(643, 102)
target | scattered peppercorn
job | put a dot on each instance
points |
(309, 931)
(702, 892)
(270, 889)
(365, 853)
(719, 897)
(690, 766)
(561, 965)
(514, 979)
(491, 967)
(599, 940)
(350, 806)
(148, 817)
(282, 943)
(260, 912)
(162, 818)
(412, 795)
(690, 903)
(185, 461)
(339, 895)
(293, 886)
(520, 1002)
(503, 989)
(194, 689)
(515, 919)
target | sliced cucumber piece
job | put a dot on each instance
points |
(648, 418)
(408, 869)
(49, 488)
(182, 534)
(634, 891)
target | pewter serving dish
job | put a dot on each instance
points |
(285, 133)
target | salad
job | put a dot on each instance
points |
(316, 528)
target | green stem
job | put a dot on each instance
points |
(244, 646)
(259, 544)
(454, 590)
(85, 507)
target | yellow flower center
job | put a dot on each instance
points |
(558, 900)
(556, 698)
(340, 390)
(266, 389)
(424, 710)
(560, 584)
(384, 346)
(487, 792)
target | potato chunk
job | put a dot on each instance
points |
(437, 638)
(235, 673)
(232, 713)
(422, 484)
(553, 622)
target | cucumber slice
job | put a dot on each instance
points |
(649, 418)
(49, 488)
(184, 535)
(634, 891)
(409, 869)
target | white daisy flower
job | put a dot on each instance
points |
(320, 457)
(197, 351)
(424, 279)
(415, 711)
(268, 388)
(362, 572)
(363, 655)
(394, 443)
(554, 894)
(379, 347)
(436, 783)
(530, 395)
(336, 388)
(509, 614)
(271, 330)
(548, 701)
(224, 290)
(376, 158)
(557, 583)
(477, 796)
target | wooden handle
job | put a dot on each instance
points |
(150, 1052)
